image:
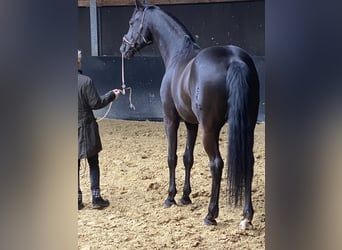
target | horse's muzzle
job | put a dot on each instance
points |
(123, 48)
(127, 51)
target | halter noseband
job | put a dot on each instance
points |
(133, 43)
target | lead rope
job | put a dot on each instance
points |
(123, 86)
(123, 83)
(123, 91)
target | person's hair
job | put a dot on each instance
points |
(79, 57)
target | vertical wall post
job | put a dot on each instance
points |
(93, 28)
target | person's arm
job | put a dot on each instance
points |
(96, 101)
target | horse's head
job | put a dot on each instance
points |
(138, 35)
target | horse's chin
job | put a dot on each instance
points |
(126, 51)
(129, 54)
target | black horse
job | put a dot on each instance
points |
(202, 87)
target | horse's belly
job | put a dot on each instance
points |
(182, 96)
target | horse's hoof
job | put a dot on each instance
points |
(210, 222)
(185, 201)
(169, 203)
(246, 224)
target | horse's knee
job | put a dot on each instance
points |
(172, 161)
(188, 159)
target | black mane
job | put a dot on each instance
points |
(186, 31)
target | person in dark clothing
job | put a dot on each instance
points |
(89, 142)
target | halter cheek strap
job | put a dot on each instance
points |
(125, 40)
(133, 43)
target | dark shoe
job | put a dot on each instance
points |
(99, 203)
(80, 205)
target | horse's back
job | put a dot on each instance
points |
(224, 54)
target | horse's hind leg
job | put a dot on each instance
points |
(188, 160)
(248, 210)
(210, 141)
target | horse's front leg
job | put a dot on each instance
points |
(171, 127)
(188, 160)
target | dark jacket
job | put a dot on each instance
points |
(89, 142)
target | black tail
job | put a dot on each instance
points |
(241, 120)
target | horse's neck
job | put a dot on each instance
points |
(175, 45)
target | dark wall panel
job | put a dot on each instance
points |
(238, 23)
(84, 31)
(142, 74)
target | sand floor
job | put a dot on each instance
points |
(134, 177)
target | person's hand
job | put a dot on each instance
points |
(116, 92)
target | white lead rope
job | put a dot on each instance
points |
(123, 74)
(123, 83)
(123, 91)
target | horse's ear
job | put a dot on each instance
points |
(138, 4)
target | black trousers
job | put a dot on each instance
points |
(94, 170)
